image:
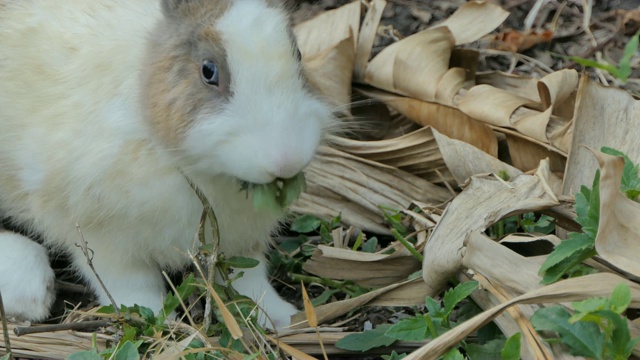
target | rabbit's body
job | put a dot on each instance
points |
(100, 113)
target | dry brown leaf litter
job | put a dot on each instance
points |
(464, 117)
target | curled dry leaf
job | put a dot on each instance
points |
(485, 201)
(338, 182)
(366, 269)
(464, 160)
(604, 116)
(545, 121)
(331, 71)
(410, 68)
(368, 33)
(618, 237)
(328, 29)
(445, 119)
(526, 87)
(416, 153)
(418, 65)
(328, 47)
(497, 263)
(473, 20)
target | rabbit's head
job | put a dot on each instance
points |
(226, 92)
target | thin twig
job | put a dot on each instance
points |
(212, 259)
(533, 13)
(184, 306)
(587, 6)
(542, 66)
(5, 328)
(88, 253)
(79, 326)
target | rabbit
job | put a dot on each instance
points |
(108, 106)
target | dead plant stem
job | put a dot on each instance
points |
(5, 328)
(212, 259)
(184, 306)
(84, 246)
(79, 326)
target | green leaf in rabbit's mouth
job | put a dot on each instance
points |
(276, 195)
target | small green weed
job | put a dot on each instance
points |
(622, 71)
(430, 325)
(596, 330)
(138, 322)
(293, 253)
(529, 222)
(566, 259)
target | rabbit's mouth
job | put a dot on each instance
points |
(276, 195)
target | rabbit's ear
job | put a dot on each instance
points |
(170, 6)
(194, 9)
(174, 8)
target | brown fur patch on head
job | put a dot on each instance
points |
(175, 92)
(195, 10)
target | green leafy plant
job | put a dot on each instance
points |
(394, 356)
(430, 325)
(292, 253)
(137, 322)
(276, 195)
(126, 350)
(528, 222)
(395, 219)
(579, 246)
(566, 259)
(542, 225)
(596, 330)
(495, 349)
(622, 71)
(511, 349)
(630, 182)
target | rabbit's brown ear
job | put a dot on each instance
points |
(177, 8)
(170, 7)
(194, 9)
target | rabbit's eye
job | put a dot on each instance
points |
(297, 53)
(210, 73)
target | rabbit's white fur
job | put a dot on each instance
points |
(92, 133)
(30, 294)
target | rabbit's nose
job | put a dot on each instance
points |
(287, 166)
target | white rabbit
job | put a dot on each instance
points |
(104, 102)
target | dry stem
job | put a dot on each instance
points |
(85, 250)
(212, 259)
(5, 329)
(79, 326)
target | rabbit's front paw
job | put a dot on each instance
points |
(26, 279)
(255, 285)
(279, 312)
